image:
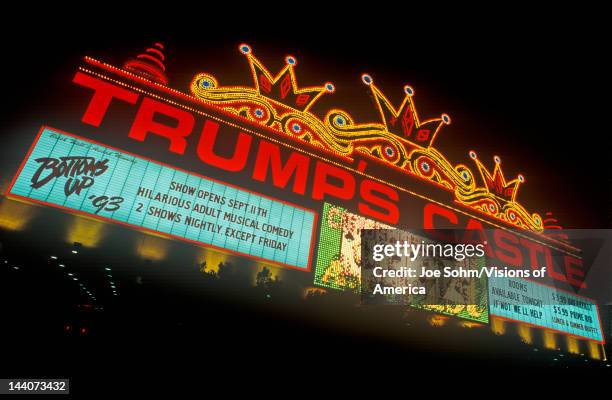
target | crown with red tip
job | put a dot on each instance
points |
(404, 121)
(149, 64)
(283, 87)
(496, 184)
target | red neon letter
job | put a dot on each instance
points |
(534, 249)
(474, 226)
(207, 142)
(575, 276)
(550, 266)
(269, 155)
(507, 251)
(322, 187)
(144, 124)
(104, 92)
(369, 192)
(431, 210)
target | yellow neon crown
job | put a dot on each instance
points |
(283, 87)
(496, 184)
(404, 121)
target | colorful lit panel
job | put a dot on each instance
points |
(75, 174)
(540, 305)
(339, 257)
(338, 263)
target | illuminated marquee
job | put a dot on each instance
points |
(265, 138)
(65, 171)
(526, 301)
(338, 264)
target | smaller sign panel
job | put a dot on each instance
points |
(69, 172)
(526, 301)
(339, 264)
(339, 256)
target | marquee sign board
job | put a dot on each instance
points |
(65, 171)
(527, 301)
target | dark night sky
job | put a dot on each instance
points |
(521, 85)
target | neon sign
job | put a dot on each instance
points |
(259, 153)
(266, 138)
(300, 173)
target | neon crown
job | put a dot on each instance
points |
(404, 121)
(283, 87)
(400, 139)
(496, 183)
